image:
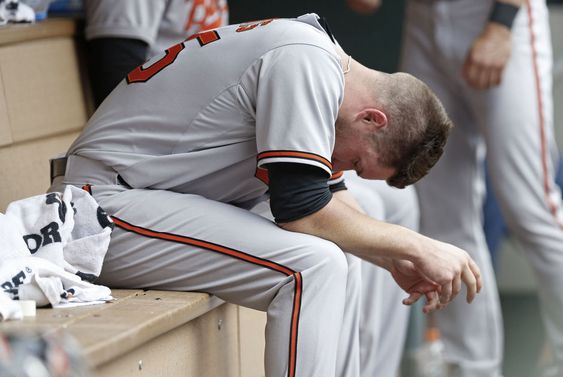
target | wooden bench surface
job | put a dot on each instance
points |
(109, 330)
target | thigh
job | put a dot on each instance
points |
(178, 241)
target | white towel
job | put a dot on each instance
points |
(11, 241)
(46, 283)
(90, 236)
(70, 230)
(51, 246)
(45, 222)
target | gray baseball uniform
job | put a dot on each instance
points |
(159, 23)
(514, 121)
(177, 153)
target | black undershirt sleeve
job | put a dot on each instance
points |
(297, 190)
(110, 60)
(338, 187)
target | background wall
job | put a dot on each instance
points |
(372, 40)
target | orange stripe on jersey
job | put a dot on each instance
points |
(294, 154)
(262, 174)
(336, 175)
(298, 278)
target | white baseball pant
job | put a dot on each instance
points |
(184, 242)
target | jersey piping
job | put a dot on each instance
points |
(294, 156)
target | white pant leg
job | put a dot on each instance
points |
(384, 319)
(174, 241)
(523, 155)
(437, 36)
(348, 358)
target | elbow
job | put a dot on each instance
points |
(292, 226)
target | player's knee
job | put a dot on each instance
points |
(327, 259)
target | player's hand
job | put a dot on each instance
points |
(416, 285)
(364, 7)
(449, 267)
(488, 57)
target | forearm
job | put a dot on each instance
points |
(347, 198)
(358, 234)
(416, 262)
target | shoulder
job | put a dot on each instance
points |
(305, 30)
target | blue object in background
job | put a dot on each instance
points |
(66, 7)
(494, 225)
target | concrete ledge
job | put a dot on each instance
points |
(50, 28)
(110, 331)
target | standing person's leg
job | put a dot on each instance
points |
(384, 319)
(437, 36)
(348, 359)
(523, 159)
(185, 242)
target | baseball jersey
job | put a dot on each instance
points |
(210, 113)
(159, 23)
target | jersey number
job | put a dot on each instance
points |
(141, 74)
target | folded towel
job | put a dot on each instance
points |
(51, 247)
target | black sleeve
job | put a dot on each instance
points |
(296, 190)
(110, 60)
(338, 186)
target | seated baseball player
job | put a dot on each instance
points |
(190, 141)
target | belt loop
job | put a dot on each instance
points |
(57, 167)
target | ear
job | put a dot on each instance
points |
(375, 117)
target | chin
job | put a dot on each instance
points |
(336, 166)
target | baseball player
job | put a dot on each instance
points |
(493, 72)
(123, 34)
(195, 137)
(490, 63)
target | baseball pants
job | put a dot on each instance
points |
(172, 241)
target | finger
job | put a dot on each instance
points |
(466, 71)
(472, 74)
(413, 297)
(482, 78)
(422, 287)
(477, 273)
(496, 75)
(446, 294)
(456, 286)
(432, 302)
(469, 279)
